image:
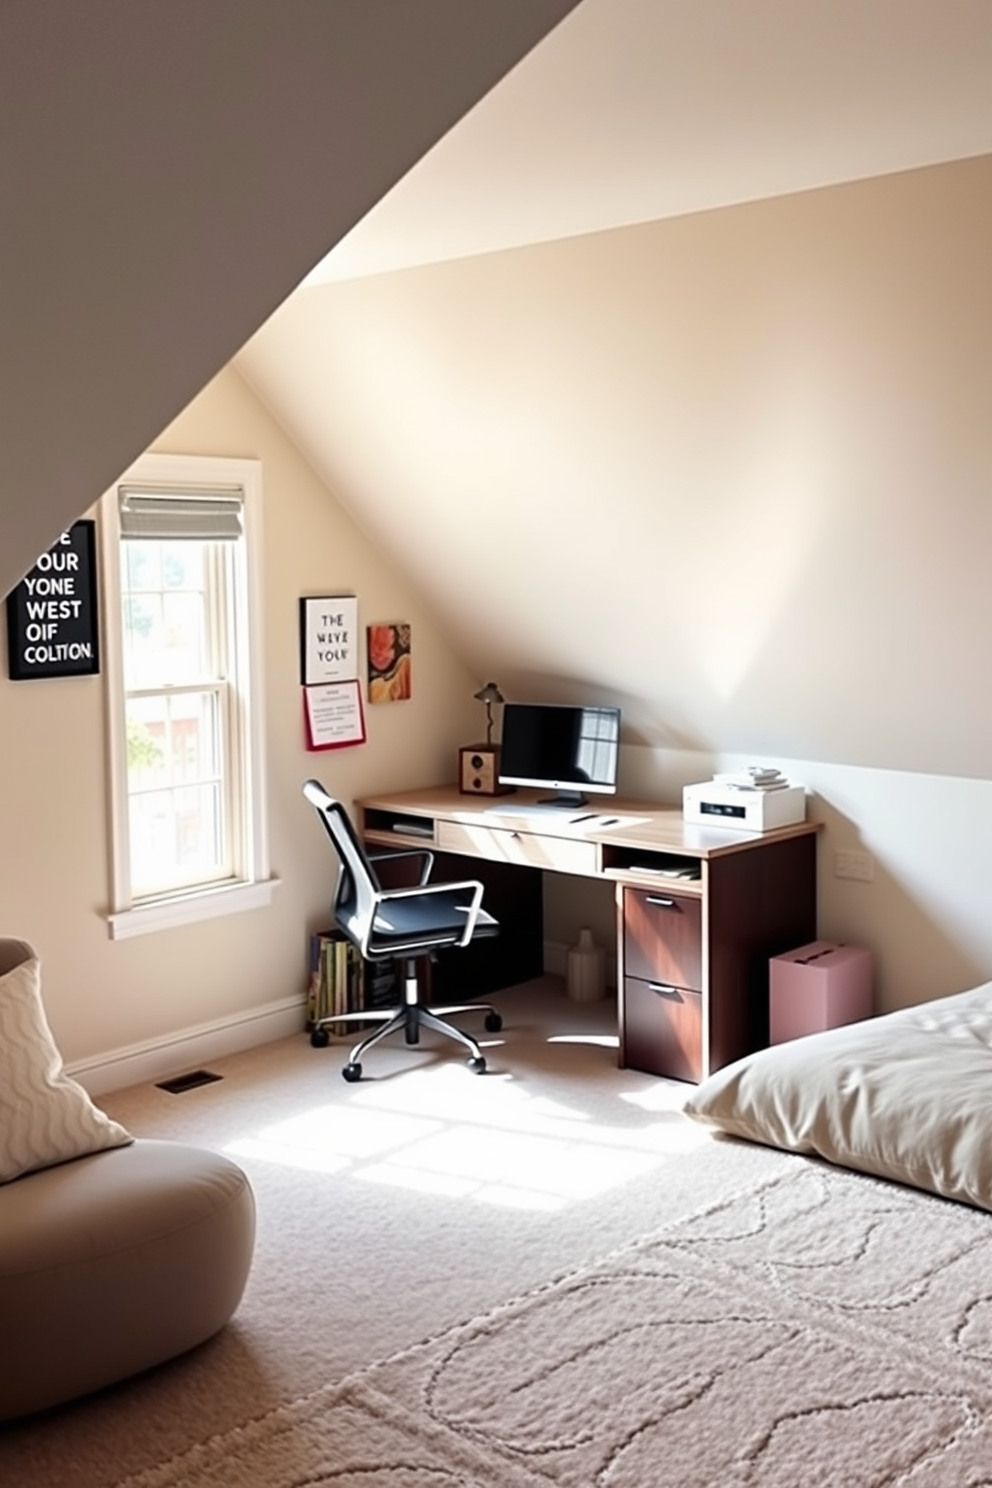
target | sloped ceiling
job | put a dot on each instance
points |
(657, 370)
(170, 173)
(637, 110)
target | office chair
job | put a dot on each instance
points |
(410, 923)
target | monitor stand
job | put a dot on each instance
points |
(566, 800)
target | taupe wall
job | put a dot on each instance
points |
(114, 997)
(170, 173)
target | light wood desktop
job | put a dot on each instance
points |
(700, 910)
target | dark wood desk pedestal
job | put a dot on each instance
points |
(692, 952)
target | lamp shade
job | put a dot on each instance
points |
(489, 693)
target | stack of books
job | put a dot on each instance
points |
(753, 778)
(341, 982)
(337, 981)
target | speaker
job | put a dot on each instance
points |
(478, 771)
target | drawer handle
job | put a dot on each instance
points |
(672, 993)
(661, 903)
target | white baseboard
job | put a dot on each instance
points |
(189, 1048)
(192, 1048)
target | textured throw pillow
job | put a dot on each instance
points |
(45, 1117)
(907, 1096)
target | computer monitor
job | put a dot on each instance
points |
(570, 750)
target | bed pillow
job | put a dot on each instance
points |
(45, 1117)
(906, 1096)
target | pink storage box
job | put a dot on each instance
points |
(818, 986)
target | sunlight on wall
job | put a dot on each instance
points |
(756, 552)
(511, 1149)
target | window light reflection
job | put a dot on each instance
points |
(441, 1130)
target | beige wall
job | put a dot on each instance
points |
(104, 995)
(731, 471)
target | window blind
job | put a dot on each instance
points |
(207, 516)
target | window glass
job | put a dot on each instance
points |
(184, 687)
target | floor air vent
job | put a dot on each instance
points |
(179, 1083)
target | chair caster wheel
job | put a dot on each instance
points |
(352, 1072)
(320, 1038)
(493, 1022)
(477, 1064)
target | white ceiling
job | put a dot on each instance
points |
(636, 110)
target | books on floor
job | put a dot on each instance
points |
(340, 982)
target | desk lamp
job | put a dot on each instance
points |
(478, 764)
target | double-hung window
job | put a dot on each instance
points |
(183, 648)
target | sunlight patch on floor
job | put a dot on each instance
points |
(659, 1095)
(444, 1131)
(396, 1176)
(267, 1150)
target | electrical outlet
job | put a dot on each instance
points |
(859, 865)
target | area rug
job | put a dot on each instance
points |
(820, 1327)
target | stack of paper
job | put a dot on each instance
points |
(753, 777)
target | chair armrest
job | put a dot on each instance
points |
(455, 887)
(408, 852)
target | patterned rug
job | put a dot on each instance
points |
(820, 1328)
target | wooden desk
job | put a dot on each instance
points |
(700, 910)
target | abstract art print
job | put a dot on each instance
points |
(389, 662)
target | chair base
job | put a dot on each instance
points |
(410, 1017)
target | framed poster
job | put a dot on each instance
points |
(334, 717)
(389, 676)
(52, 625)
(328, 639)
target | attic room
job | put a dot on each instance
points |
(630, 353)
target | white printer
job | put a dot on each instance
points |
(757, 798)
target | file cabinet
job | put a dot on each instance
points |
(663, 981)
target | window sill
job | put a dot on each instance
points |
(208, 904)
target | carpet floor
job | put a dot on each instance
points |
(425, 1206)
(787, 1335)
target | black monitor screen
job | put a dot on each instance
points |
(568, 749)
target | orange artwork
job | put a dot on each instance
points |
(389, 663)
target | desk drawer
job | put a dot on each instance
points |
(662, 1030)
(663, 938)
(506, 846)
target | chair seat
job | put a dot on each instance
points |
(430, 922)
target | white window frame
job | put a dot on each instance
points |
(252, 886)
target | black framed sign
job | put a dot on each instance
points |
(328, 638)
(52, 626)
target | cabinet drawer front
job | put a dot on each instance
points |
(505, 845)
(662, 1030)
(663, 940)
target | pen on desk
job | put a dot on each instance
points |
(574, 820)
(609, 821)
